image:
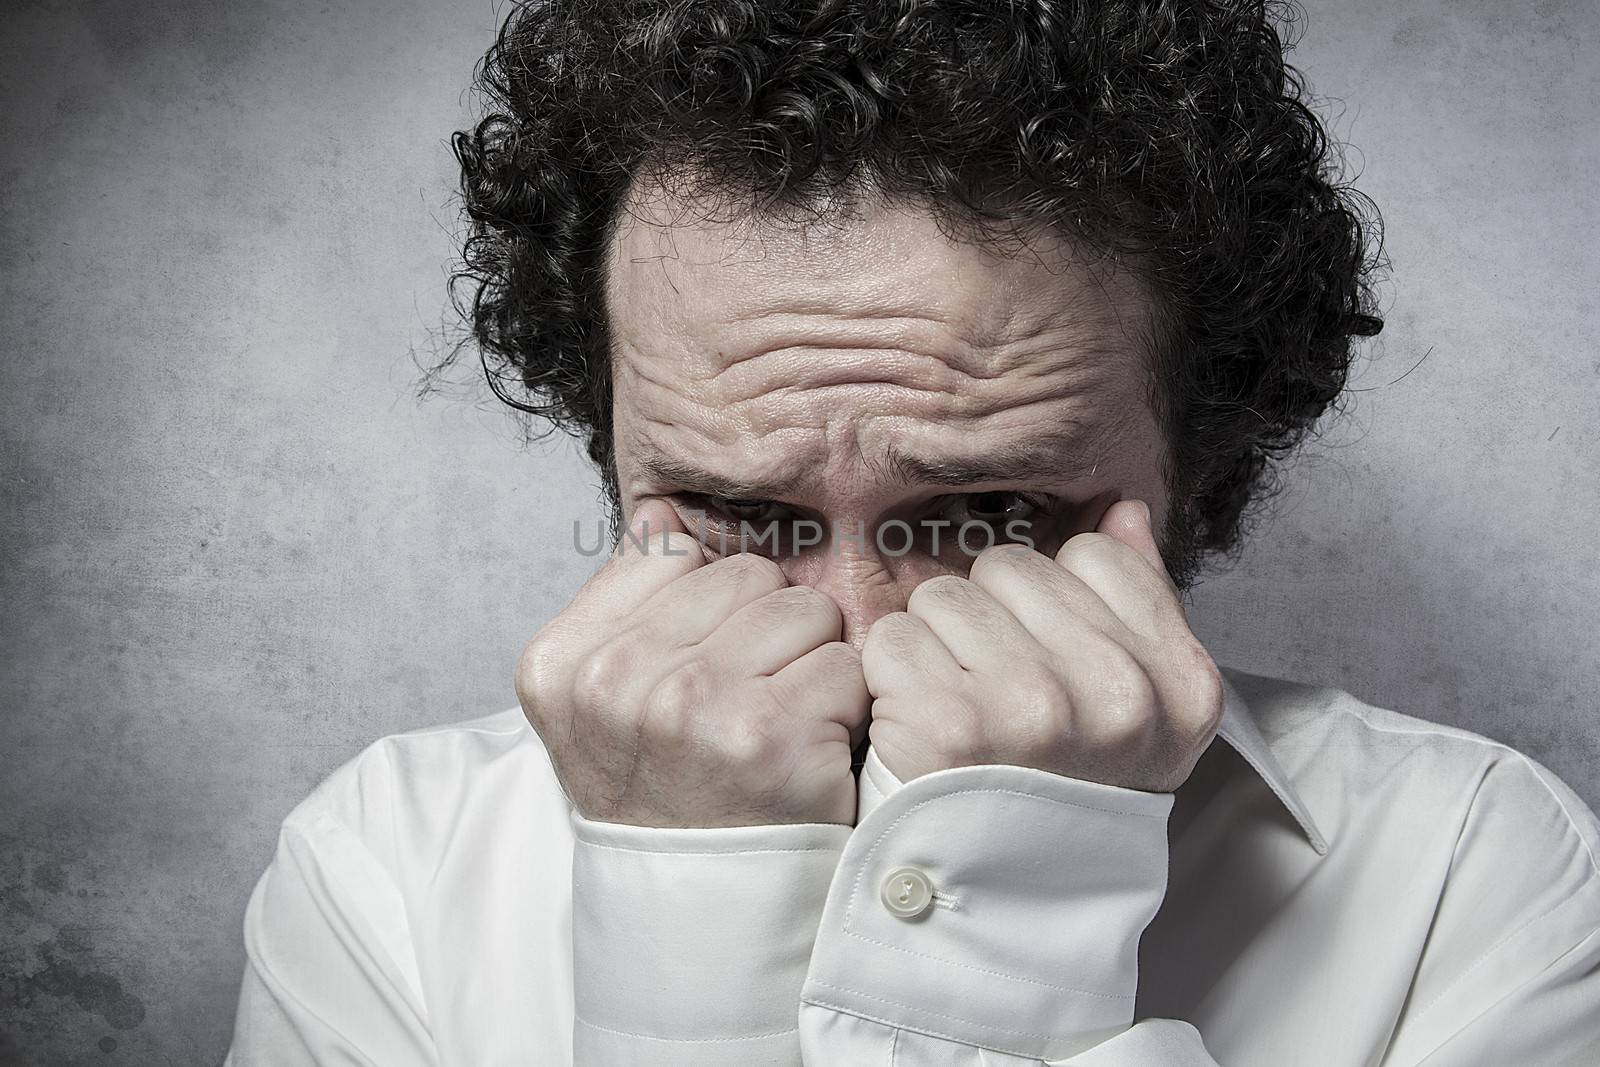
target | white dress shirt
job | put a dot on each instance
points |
(1337, 885)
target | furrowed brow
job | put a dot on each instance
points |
(689, 478)
(1064, 458)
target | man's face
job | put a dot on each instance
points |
(870, 371)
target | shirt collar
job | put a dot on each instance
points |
(1239, 730)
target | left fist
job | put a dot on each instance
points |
(1083, 665)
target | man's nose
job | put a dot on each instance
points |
(863, 587)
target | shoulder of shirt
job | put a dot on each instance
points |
(1310, 727)
(407, 783)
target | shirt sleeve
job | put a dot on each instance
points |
(330, 975)
(690, 945)
(992, 915)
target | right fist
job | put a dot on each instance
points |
(675, 692)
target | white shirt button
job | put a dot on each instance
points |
(907, 892)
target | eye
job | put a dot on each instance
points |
(727, 524)
(745, 510)
(999, 507)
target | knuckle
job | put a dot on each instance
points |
(1123, 672)
(748, 746)
(879, 641)
(537, 668)
(964, 732)
(673, 553)
(600, 671)
(837, 657)
(766, 706)
(830, 676)
(892, 636)
(679, 545)
(1120, 727)
(1044, 700)
(1127, 705)
(804, 601)
(794, 606)
(888, 623)
(1207, 693)
(748, 568)
(999, 559)
(676, 701)
(941, 589)
(1086, 550)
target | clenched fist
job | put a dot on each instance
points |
(1083, 665)
(675, 692)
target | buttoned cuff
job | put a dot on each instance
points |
(691, 945)
(1038, 889)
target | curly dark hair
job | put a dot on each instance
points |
(1173, 129)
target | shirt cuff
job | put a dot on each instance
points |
(1039, 887)
(691, 945)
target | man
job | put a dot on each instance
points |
(927, 350)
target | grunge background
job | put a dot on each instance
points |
(235, 548)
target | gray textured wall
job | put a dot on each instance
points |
(235, 548)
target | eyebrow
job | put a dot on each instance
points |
(1065, 456)
(692, 479)
(1060, 457)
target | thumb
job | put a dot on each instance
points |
(1129, 522)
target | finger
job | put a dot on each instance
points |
(1122, 576)
(901, 654)
(654, 522)
(663, 633)
(826, 685)
(1129, 522)
(692, 608)
(647, 606)
(654, 551)
(1051, 601)
(771, 632)
(1074, 622)
(977, 629)
(1179, 668)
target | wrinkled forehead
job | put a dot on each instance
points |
(718, 278)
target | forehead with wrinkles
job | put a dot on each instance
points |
(866, 326)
